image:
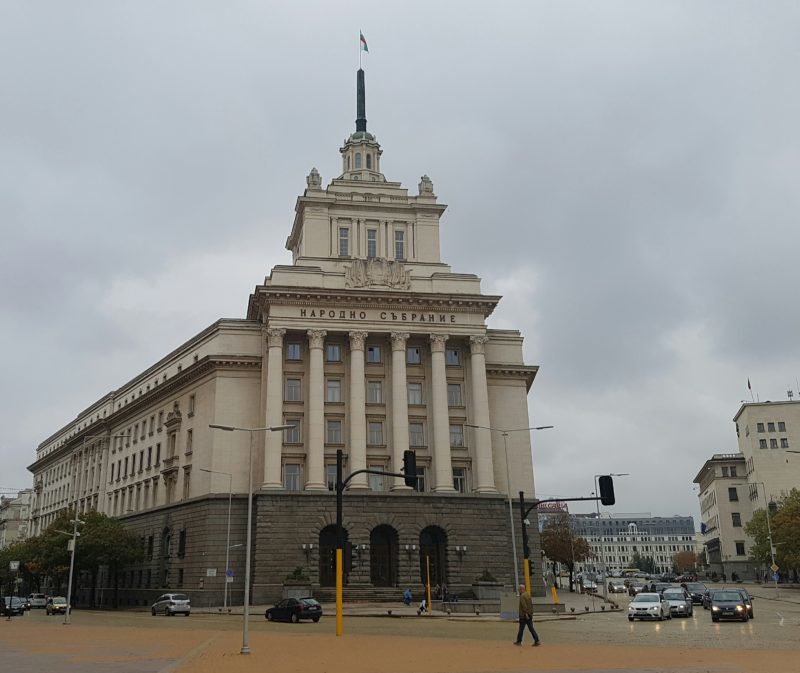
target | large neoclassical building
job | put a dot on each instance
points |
(366, 342)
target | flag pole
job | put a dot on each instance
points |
(359, 48)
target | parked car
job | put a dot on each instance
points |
(295, 609)
(14, 606)
(669, 577)
(171, 605)
(57, 605)
(616, 586)
(648, 606)
(688, 577)
(38, 600)
(748, 601)
(635, 587)
(728, 604)
(680, 601)
(26, 603)
(658, 587)
(696, 590)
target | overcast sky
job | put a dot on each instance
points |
(624, 173)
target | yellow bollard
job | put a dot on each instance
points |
(555, 594)
(527, 575)
(339, 625)
(428, 570)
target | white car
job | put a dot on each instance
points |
(680, 602)
(38, 600)
(171, 605)
(648, 606)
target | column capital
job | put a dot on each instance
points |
(316, 338)
(438, 341)
(357, 340)
(275, 337)
(399, 340)
(477, 344)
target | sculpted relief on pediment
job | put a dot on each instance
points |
(377, 272)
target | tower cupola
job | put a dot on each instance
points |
(361, 153)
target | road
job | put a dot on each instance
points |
(136, 642)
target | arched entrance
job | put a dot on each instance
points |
(433, 546)
(383, 556)
(327, 556)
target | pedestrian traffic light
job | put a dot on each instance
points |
(410, 468)
(606, 490)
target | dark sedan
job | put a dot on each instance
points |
(295, 609)
(697, 590)
(728, 604)
(748, 601)
(13, 606)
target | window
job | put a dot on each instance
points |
(149, 457)
(460, 479)
(135, 432)
(373, 354)
(292, 435)
(369, 161)
(160, 420)
(760, 427)
(126, 466)
(144, 423)
(771, 427)
(291, 476)
(376, 481)
(784, 443)
(736, 519)
(422, 485)
(152, 423)
(781, 426)
(415, 393)
(372, 242)
(191, 405)
(333, 352)
(189, 440)
(454, 395)
(451, 356)
(330, 477)
(141, 460)
(158, 453)
(413, 355)
(733, 470)
(740, 549)
(294, 351)
(399, 245)
(762, 443)
(333, 391)
(456, 435)
(375, 392)
(725, 471)
(358, 159)
(773, 443)
(149, 550)
(732, 494)
(344, 242)
(292, 390)
(375, 434)
(416, 434)
(112, 473)
(333, 432)
(180, 577)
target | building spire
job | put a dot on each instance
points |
(361, 102)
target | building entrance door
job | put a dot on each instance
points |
(327, 556)
(433, 546)
(383, 556)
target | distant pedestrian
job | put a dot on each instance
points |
(525, 616)
(407, 597)
(423, 606)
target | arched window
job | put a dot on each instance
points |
(348, 162)
(369, 161)
(358, 160)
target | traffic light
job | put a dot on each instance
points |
(773, 507)
(410, 468)
(606, 490)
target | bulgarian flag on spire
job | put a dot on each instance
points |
(363, 42)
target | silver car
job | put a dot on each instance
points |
(171, 605)
(648, 606)
(680, 602)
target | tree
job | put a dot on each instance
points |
(684, 561)
(560, 544)
(646, 564)
(757, 529)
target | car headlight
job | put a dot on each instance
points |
(714, 608)
(739, 608)
(654, 608)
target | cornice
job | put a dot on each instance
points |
(526, 372)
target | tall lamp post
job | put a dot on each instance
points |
(505, 434)
(228, 539)
(600, 530)
(231, 428)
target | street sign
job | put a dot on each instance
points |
(211, 572)
(229, 579)
(13, 566)
(774, 568)
(229, 572)
(775, 577)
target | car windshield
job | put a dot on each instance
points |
(728, 596)
(645, 598)
(309, 601)
(180, 597)
(59, 599)
(695, 586)
(673, 595)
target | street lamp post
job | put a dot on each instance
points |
(231, 428)
(600, 530)
(505, 434)
(228, 539)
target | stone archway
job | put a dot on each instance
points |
(433, 547)
(383, 552)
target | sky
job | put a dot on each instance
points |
(623, 173)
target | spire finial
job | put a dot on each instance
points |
(361, 102)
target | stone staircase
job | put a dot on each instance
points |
(366, 594)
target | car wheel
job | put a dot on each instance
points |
(752, 617)
(630, 619)
(269, 616)
(315, 619)
(166, 612)
(186, 614)
(715, 619)
(295, 618)
(153, 610)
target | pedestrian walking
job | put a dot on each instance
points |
(407, 597)
(525, 617)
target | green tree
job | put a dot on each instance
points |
(646, 564)
(757, 529)
(561, 545)
(684, 561)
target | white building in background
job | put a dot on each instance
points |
(15, 514)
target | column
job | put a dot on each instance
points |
(315, 446)
(443, 469)
(484, 467)
(102, 471)
(273, 443)
(358, 411)
(399, 406)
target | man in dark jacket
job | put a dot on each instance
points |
(525, 616)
